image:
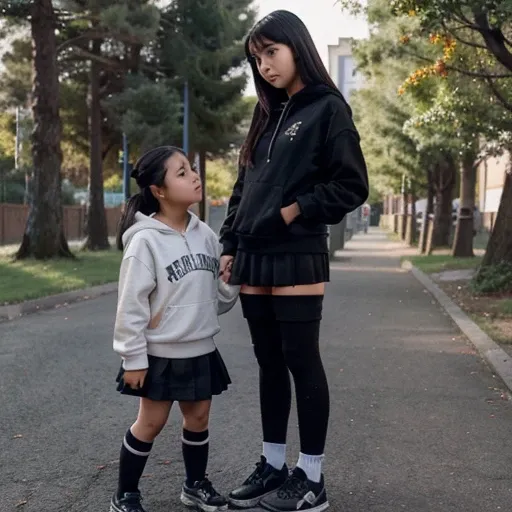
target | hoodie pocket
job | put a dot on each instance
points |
(259, 211)
(188, 322)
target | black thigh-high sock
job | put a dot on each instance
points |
(275, 388)
(299, 321)
(134, 455)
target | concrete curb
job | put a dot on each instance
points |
(12, 311)
(492, 353)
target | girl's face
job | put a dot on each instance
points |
(276, 65)
(182, 185)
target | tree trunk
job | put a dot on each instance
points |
(44, 231)
(411, 233)
(429, 208)
(499, 248)
(403, 213)
(444, 186)
(96, 220)
(464, 231)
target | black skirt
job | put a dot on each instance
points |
(279, 269)
(181, 380)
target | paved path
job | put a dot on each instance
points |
(417, 420)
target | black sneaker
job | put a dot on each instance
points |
(202, 496)
(297, 493)
(264, 480)
(128, 502)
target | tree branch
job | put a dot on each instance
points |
(494, 39)
(109, 63)
(463, 41)
(94, 35)
(459, 70)
(499, 95)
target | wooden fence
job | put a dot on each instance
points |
(13, 218)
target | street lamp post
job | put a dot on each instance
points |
(186, 114)
(126, 169)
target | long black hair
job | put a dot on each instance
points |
(286, 28)
(148, 170)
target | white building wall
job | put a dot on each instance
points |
(342, 67)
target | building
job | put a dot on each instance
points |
(342, 67)
(491, 179)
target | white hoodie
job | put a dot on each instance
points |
(170, 294)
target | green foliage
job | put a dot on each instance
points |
(380, 113)
(493, 279)
(201, 42)
(114, 183)
(434, 12)
(438, 111)
(220, 177)
(148, 112)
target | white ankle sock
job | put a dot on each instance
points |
(311, 465)
(275, 454)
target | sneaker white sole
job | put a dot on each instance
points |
(248, 503)
(113, 508)
(199, 505)
(319, 508)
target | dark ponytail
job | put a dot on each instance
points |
(149, 170)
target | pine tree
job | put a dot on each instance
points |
(44, 231)
(109, 36)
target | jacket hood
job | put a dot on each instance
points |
(143, 222)
(313, 92)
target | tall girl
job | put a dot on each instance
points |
(301, 168)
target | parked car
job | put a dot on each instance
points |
(421, 206)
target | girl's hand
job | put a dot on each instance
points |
(135, 378)
(290, 213)
(226, 262)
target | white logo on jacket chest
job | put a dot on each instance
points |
(292, 131)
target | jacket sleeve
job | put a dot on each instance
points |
(136, 282)
(229, 239)
(345, 186)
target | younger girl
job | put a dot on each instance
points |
(169, 299)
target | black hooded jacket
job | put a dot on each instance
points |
(309, 154)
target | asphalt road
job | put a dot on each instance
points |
(418, 422)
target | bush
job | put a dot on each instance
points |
(493, 279)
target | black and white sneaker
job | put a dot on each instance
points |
(202, 496)
(264, 480)
(128, 502)
(297, 493)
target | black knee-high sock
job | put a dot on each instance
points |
(195, 449)
(299, 321)
(275, 388)
(134, 455)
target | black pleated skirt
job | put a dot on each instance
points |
(181, 380)
(279, 269)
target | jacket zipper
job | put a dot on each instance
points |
(282, 119)
(186, 242)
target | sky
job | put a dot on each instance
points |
(323, 18)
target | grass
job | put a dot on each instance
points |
(499, 331)
(506, 307)
(31, 279)
(438, 262)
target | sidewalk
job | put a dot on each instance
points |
(418, 422)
